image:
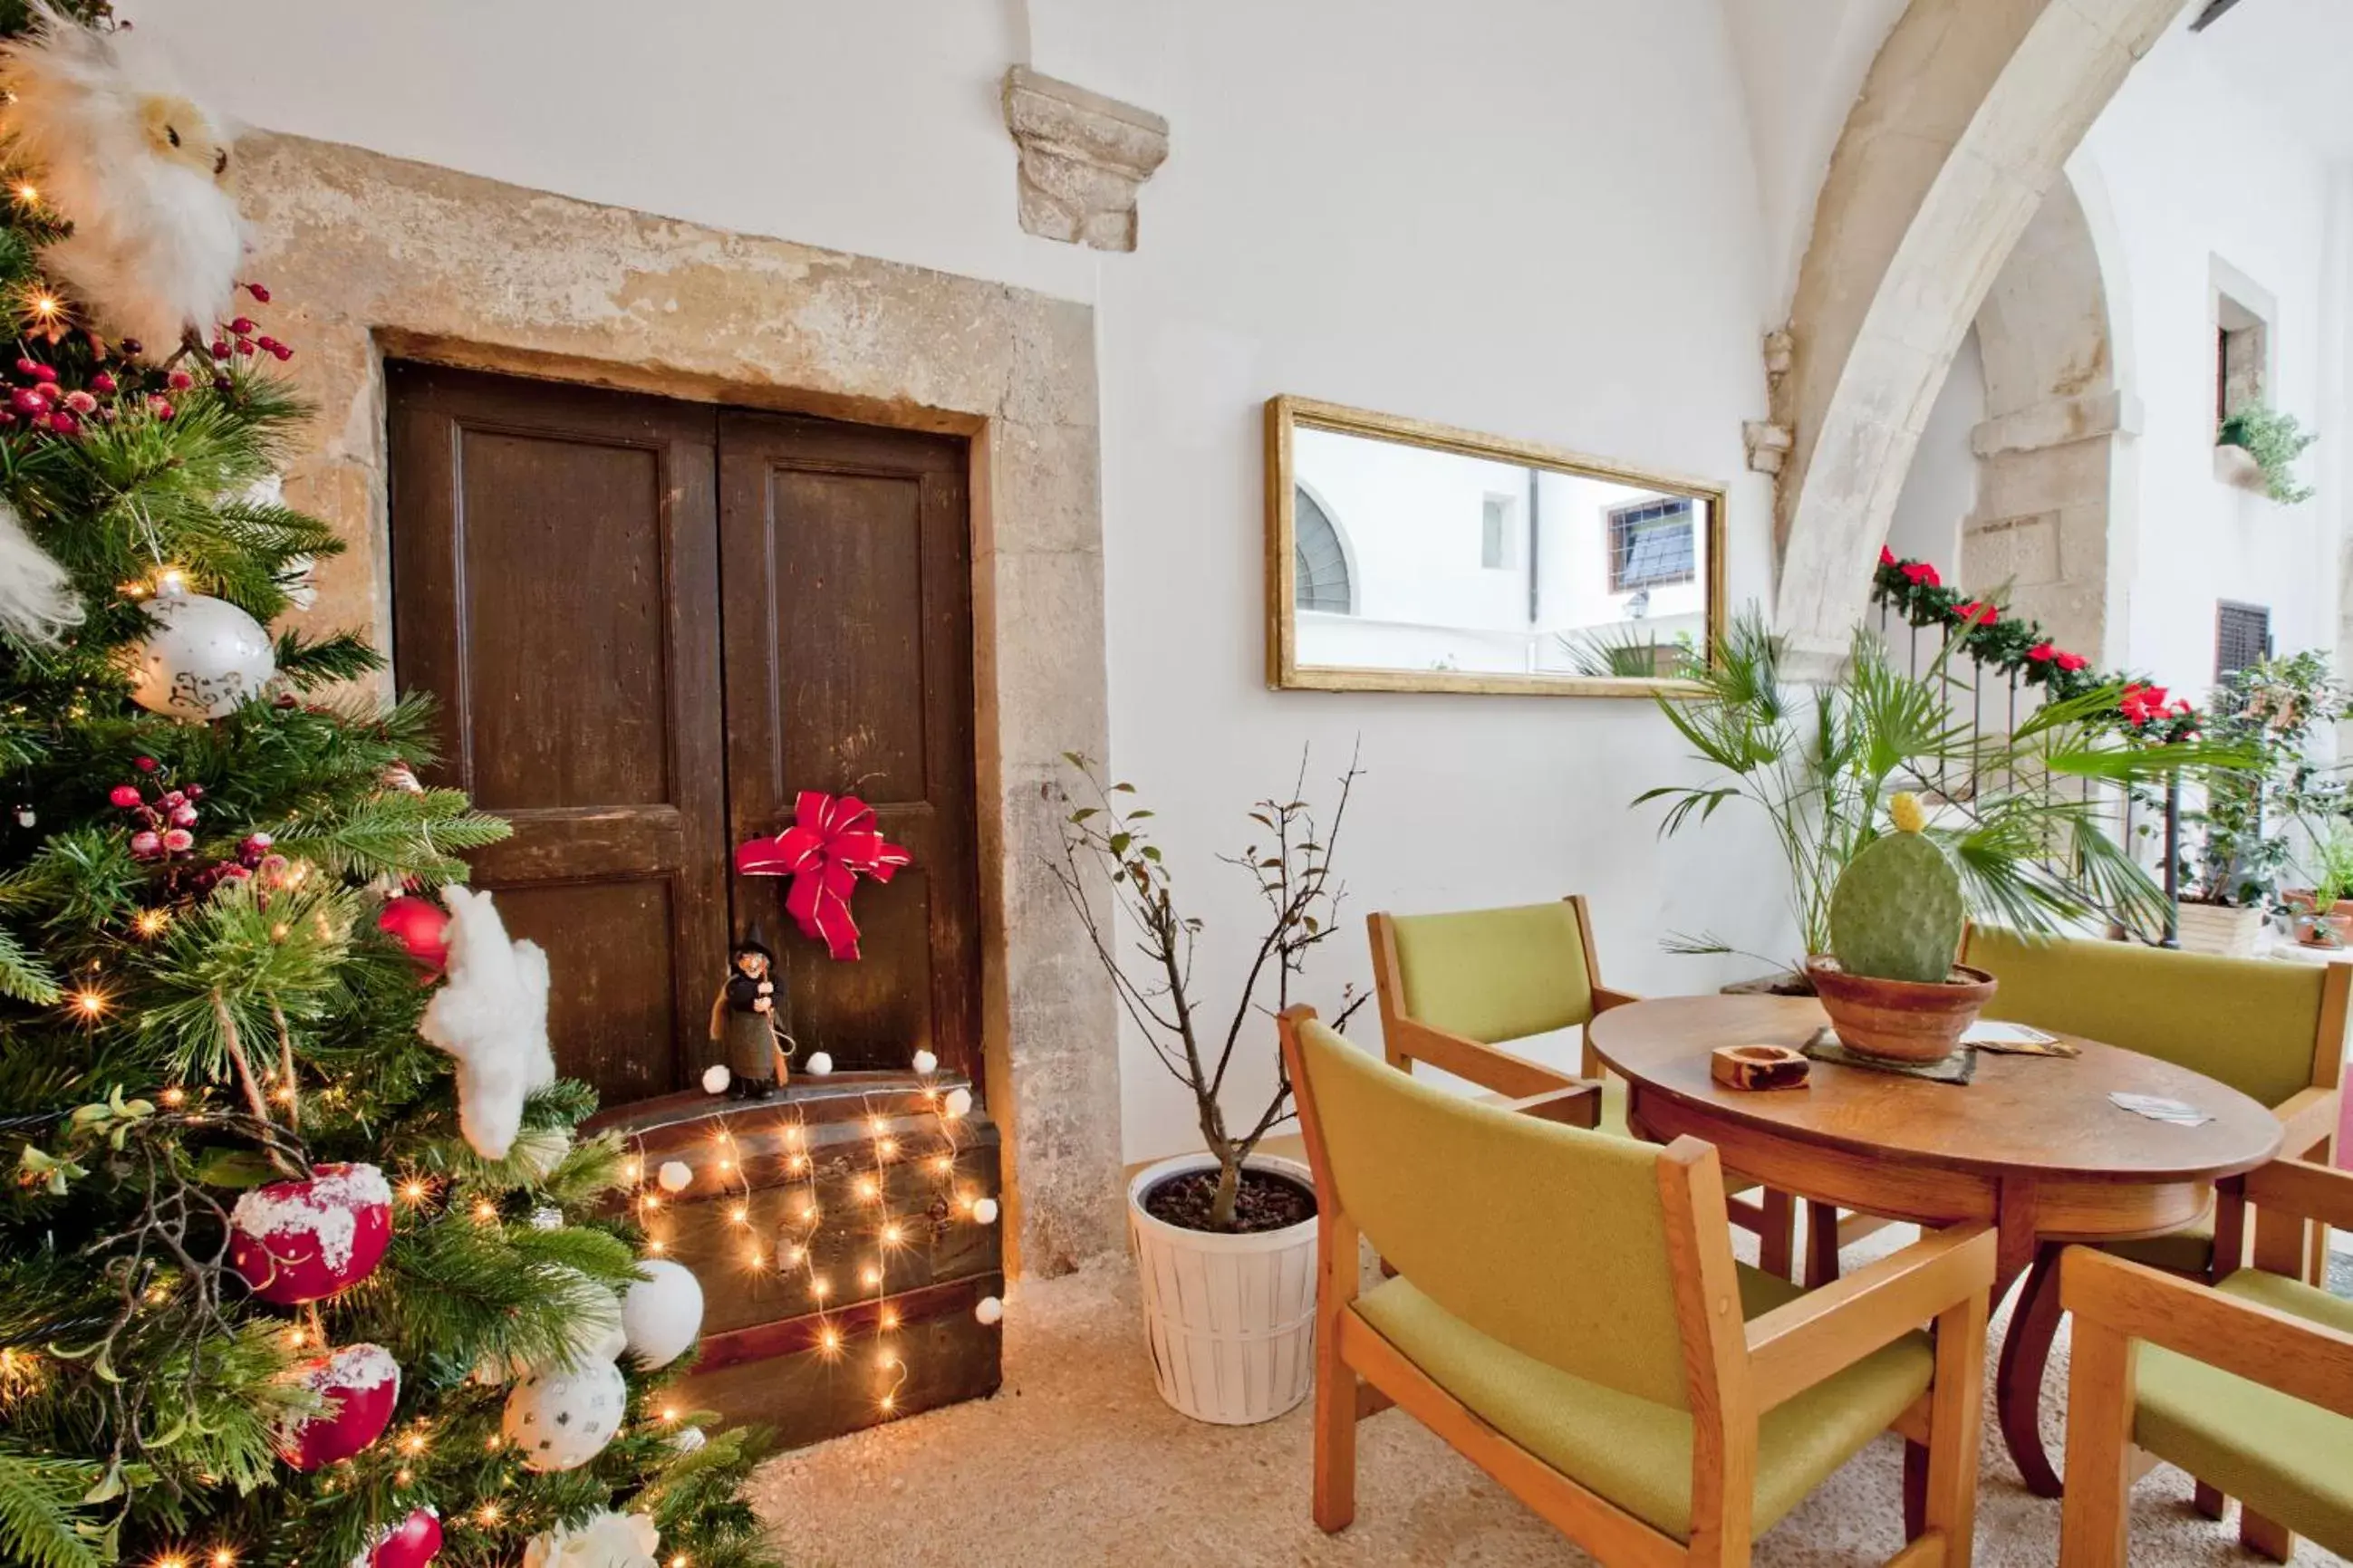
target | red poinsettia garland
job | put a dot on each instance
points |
(2020, 648)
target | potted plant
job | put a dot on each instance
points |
(1225, 1238)
(2265, 717)
(1889, 983)
(2256, 448)
(2326, 919)
(2031, 845)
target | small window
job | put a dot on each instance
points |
(1319, 562)
(2242, 351)
(1651, 545)
(1499, 548)
(2243, 637)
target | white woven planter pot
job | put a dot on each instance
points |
(2212, 928)
(1230, 1319)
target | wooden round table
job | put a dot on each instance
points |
(2033, 1146)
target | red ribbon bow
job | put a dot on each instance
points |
(832, 842)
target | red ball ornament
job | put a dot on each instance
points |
(295, 1242)
(124, 796)
(412, 1543)
(360, 1383)
(422, 929)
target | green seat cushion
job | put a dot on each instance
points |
(2290, 1461)
(2248, 1022)
(1613, 1107)
(1493, 975)
(2187, 1251)
(1636, 1453)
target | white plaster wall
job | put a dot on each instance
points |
(1475, 213)
(1941, 490)
(2196, 169)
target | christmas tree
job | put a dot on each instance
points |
(304, 1259)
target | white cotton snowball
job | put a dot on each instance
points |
(675, 1175)
(984, 1211)
(990, 1312)
(662, 1312)
(819, 1063)
(715, 1079)
(926, 1062)
(958, 1102)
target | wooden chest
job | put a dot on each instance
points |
(846, 1233)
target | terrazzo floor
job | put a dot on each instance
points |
(1078, 1462)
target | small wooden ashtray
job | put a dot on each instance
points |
(1757, 1066)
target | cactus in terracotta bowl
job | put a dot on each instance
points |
(1889, 983)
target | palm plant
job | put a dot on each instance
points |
(2018, 811)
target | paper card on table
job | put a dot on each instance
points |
(2158, 1109)
(2017, 1039)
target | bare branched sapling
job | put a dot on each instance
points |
(1106, 834)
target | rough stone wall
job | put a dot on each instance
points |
(367, 255)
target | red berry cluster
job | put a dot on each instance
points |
(166, 818)
(35, 398)
(244, 337)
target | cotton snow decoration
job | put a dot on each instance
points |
(491, 1014)
(605, 1540)
(662, 1312)
(36, 598)
(116, 147)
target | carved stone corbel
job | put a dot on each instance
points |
(1769, 444)
(1083, 159)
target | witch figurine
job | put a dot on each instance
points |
(743, 1021)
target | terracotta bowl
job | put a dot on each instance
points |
(1900, 1020)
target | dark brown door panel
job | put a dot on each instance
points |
(555, 579)
(847, 593)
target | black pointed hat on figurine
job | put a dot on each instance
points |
(756, 940)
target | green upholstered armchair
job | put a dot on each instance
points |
(1455, 988)
(1567, 1312)
(2247, 1384)
(2273, 1031)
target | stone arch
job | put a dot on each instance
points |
(2058, 406)
(1965, 119)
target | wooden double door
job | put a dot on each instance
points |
(650, 624)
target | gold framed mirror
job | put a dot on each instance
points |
(1406, 556)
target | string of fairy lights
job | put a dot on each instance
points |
(877, 1228)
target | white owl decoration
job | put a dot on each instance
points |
(141, 170)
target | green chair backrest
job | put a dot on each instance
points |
(1549, 1238)
(2250, 1023)
(1495, 975)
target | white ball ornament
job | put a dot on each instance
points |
(561, 1420)
(984, 1211)
(958, 1102)
(716, 1078)
(662, 1312)
(925, 1062)
(819, 1063)
(989, 1310)
(205, 658)
(675, 1175)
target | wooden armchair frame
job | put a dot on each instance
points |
(2118, 1305)
(1405, 1039)
(1734, 1370)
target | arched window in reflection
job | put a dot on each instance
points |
(1319, 560)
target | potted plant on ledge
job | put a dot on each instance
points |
(1225, 1239)
(2256, 448)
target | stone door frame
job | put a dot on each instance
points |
(369, 257)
